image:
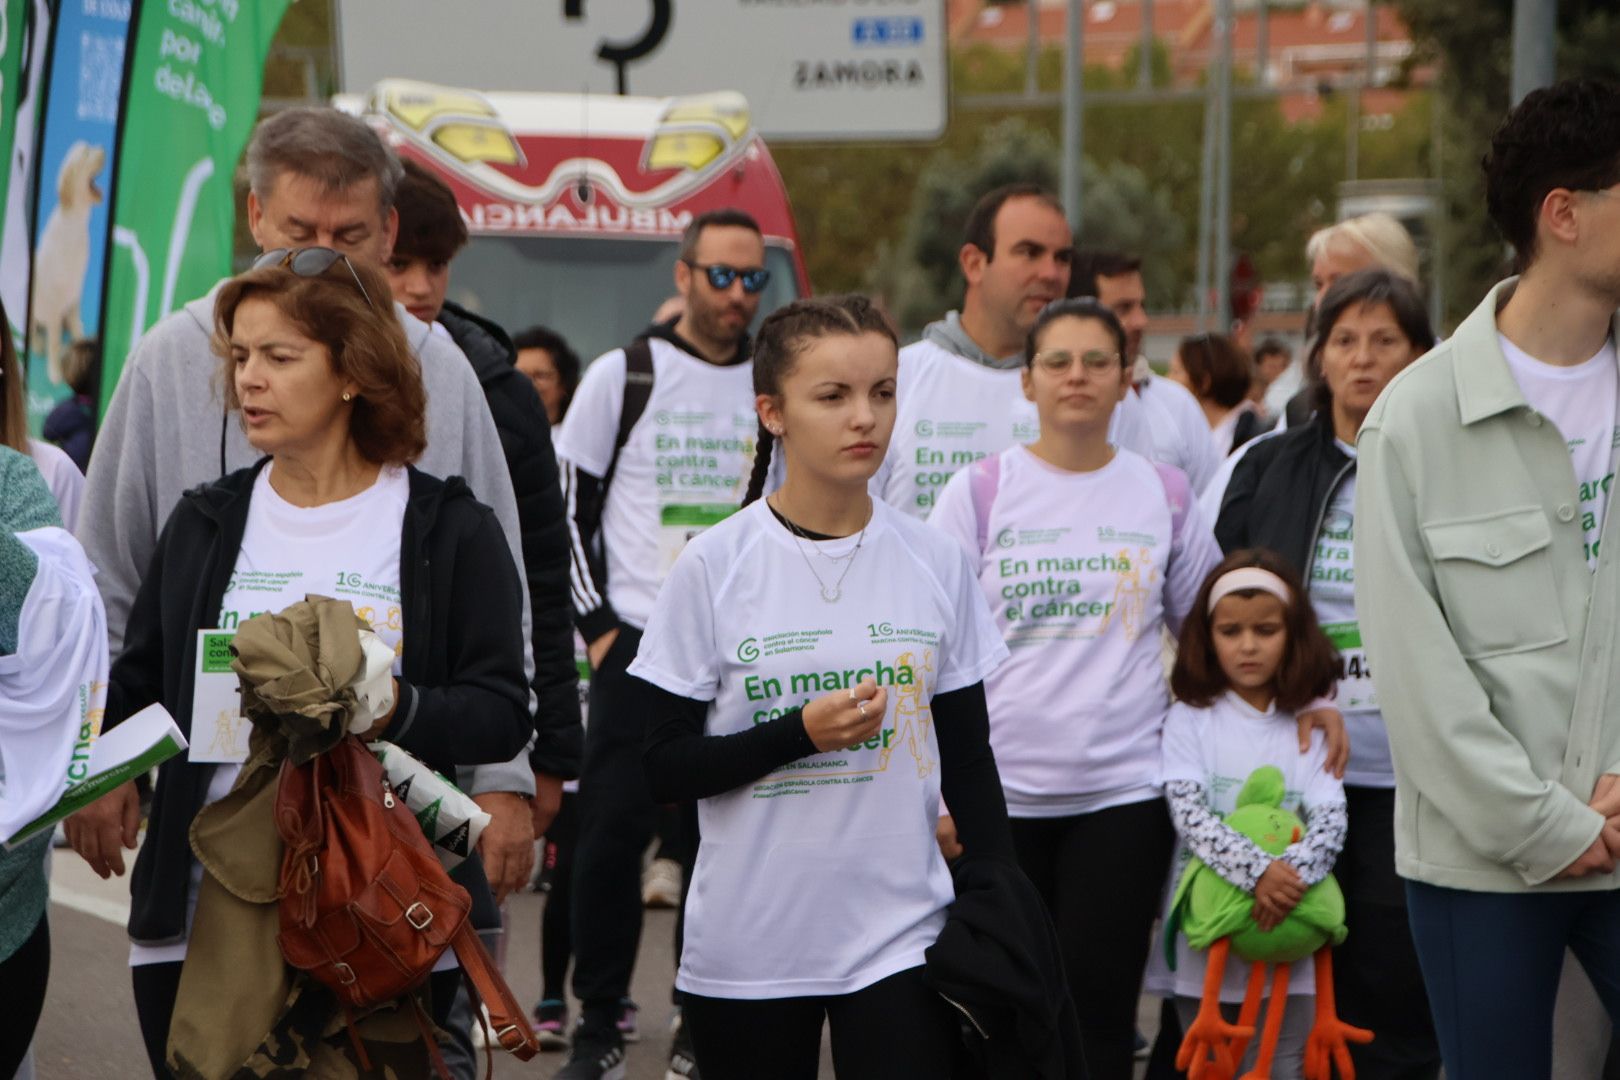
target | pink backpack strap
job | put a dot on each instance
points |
(1178, 495)
(984, 476)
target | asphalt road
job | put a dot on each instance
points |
(89, 1031)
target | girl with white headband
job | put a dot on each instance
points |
(1251, 655)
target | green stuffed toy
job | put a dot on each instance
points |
(1218, 916)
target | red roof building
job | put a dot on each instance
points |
(1308, 47)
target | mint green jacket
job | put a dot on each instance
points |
(1493, 647)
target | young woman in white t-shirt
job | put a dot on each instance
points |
(1085, 552)
(817, 661)
(1251, 655)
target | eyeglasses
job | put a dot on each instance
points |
(1058, 361)
(311, 262)
(721, 276)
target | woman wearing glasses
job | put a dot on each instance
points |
(327, 390)
(1085, 552)
(1296, 495)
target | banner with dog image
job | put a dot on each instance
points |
(77, 144)
(194, 90)
(26, 29)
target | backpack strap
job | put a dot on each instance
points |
(638, 387)
(1178, 496)
(984, 477)
(507, 1017)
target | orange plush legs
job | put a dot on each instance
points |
(1252, 997)
(1330, 1036)
(1274, 1018)
(1206, 1052)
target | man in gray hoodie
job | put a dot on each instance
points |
(959, 389)
(318, 178)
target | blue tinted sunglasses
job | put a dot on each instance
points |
(721, 276)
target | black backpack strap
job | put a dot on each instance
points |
(638, 387)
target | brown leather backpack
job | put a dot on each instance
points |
(366, 908)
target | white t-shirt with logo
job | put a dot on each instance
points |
(1083, 575)
(823, 877)
(1332, 588)
(1581, 401)
(346, 550)
(953, 411)
(684, 467)
(1219, 747)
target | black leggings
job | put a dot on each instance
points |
(556, 933)
(23, 975)
(157, 986)
(1103, 876)
(896, 1027)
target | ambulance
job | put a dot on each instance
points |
(576, 202)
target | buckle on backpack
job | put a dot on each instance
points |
(344, 972)
(426, 916)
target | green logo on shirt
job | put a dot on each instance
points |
(748, 650)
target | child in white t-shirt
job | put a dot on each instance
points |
(1251, 655)
(816, 663)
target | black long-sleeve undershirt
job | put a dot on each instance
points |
(684, 764)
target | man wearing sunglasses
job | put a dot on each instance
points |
(657, 445)
(318, 179)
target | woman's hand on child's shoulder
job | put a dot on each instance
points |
(1326, 717)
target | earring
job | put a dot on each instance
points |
(776, 432)
(347, 396)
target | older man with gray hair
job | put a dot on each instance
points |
(318, 178)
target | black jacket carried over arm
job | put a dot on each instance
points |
(526, 441)
(462, 696)
(1280, 491)
(998, 962)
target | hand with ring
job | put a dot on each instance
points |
(844, 719)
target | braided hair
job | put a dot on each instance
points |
(784, 335)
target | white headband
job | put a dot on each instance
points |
(1247, 579)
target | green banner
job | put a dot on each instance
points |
(194, 87)
(13, 17)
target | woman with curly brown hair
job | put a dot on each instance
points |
(328, 391)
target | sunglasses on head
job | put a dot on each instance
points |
(311, 262)
(721, 276)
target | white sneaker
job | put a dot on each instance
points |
(661, 884)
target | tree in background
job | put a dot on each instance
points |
(1473, 43)
(918, 274)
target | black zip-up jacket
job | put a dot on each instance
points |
(526, 441)
(1280, 492)
(462, 696)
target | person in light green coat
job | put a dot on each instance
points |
(1489, 596)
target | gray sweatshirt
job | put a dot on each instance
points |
(167, 431)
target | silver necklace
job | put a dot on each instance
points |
(831, 594)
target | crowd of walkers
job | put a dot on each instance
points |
(945, 682)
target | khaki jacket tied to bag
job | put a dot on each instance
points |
(241, 1011)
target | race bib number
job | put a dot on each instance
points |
(1355, 684)
(679, 522)
(219, 731)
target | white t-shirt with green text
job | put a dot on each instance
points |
(823, 877)
(346, 550)
(1219, 747)
(1581, 401)
(684, 467)
(1332, 588)
(1083, 575)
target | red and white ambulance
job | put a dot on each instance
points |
(576, 202)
